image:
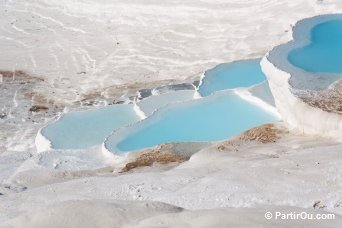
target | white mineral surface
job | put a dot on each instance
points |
(104, 50)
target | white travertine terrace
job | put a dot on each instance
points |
(291, 87)
(215, 187)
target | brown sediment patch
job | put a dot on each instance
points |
(329, 100)
(26, 82)
(6, 74)
(268, 133)
(265, 134)
(28, 85)
(38, 108)
(18, 74)
(167, 154)
(229, 146)
(160, 155)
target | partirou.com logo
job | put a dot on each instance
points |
(277, 215)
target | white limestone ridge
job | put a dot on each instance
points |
(296, 113)
(42, 143)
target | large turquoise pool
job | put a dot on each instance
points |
(213, 118)
(323, 54)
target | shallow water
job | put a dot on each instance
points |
(88, 128)
(324, 53)
(213, 118)
(179, 116)
(243, 73)
(152, 103)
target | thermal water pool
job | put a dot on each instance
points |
(84, 129)
(180, 117)
(323, 54)
(213, 118)
(243, 73)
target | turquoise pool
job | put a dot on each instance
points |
(213, 118)
(179, 116)
(84, 129)
(243, 73)
(323, 54)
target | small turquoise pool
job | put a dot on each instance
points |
(324, 52)
(243, 73)
(213, 118)
(84, 129)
